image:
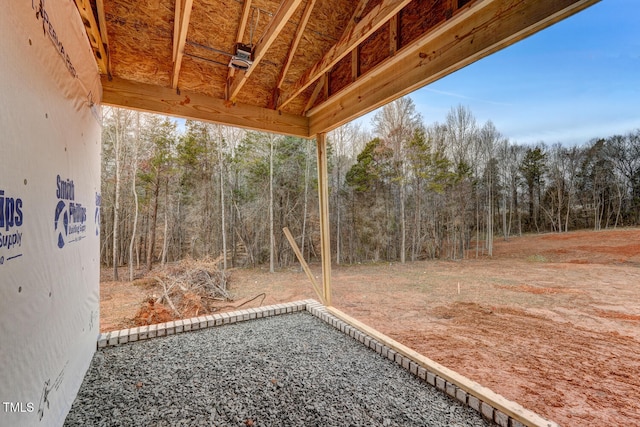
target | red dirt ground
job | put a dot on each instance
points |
(552, 321)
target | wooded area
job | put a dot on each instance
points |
(408, 191)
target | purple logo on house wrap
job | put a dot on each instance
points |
(11, 219)
(70, 217)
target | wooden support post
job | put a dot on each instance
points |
(323, 198)
(303, 263)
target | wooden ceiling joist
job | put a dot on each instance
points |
(181, 24)
(477, 30)
(355, 34)
(162, 100)
(279, 20)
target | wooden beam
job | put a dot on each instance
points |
(314, 96)
(356, 16)
(93, 33)
(302, 25)
(162, 100)
(304, 264)
(102, 24)
(181, 25)
(394, 30)
(512, 409)
(244, 18)
(323, 201)
(355, 64)
(279, 20)
(177, 14)
(242, 26)
(355, 35)
(478, 29)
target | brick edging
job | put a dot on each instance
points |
(452, 390)
(114, 338)
(139, 333)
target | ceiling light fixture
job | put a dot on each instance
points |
(243, 57)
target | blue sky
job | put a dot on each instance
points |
(569, 83)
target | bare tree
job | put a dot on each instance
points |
(134, 165)
(272, 243)
(396, 123)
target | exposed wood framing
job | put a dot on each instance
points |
(304, 264)
(181, 24)
(355, 64)
(242, 26)
(244, 18)
(327, 90)
(302, 25)
(102, 23)
(323, 201)
(477, 30)
(162, 100)
(394, 40)
(314, 95)
(279, 20)
(512, 409)
(93, 33)
(351, 38)
(356, 16)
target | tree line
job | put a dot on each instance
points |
(405, 190)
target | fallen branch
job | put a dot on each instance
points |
(166, 296)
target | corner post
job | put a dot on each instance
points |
(323, 199)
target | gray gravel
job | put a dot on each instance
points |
(288, 370)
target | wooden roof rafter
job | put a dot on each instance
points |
(279, 20)
(302, 25)
(351, 38)
(181, 25)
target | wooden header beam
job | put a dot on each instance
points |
(479, 29)
(162, 100)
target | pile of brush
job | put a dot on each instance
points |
(191, 287)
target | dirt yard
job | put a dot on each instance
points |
(552, 321)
